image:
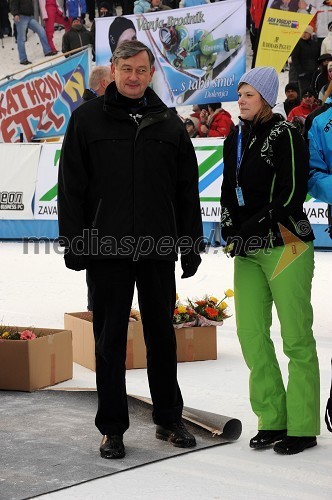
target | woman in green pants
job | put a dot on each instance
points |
(266, 165)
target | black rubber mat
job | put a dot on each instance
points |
(48, 440)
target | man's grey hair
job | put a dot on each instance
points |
(97, 74)
(130, 48)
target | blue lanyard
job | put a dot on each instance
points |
(239, 154)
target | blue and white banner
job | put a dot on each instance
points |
(200, 51)
(39, 105)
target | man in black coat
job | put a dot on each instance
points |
(128, 202)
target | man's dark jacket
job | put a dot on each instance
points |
(127, 180)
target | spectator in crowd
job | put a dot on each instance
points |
(120, 130)
(23, 13)
(157, 5)
(216, 122)
(105, 9)
(326, 102)
(191, 127)
(51, 13)
(320, 77)
(329, 76)
(141, 6)
(197, 108)
(292, 100)
(5, 26)
(99, 79)
(320, 177)
(256, 13)
(326, 47)
(121, 29)
(322, 10)
(192, 3)
(266, 167)
(298, 114)
(77, 36)
(127, 7)
(304, 57)
(74, 9)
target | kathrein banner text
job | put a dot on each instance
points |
(283, 24)
(29, 181)
(200, 51)
(39, 105)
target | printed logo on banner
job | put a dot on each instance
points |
(11, 200)
(47, 183)
(209, 155)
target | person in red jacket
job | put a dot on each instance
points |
(308, 103)
(216, 122)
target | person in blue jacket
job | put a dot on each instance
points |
(320, 179)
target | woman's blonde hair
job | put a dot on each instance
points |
(265, 113)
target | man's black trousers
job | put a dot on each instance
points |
(112, 283)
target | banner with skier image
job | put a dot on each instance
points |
(200, 51)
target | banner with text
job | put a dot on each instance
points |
(200, 51)
(283, 24)
(18, 172)
(47, 182)
(39, 105)
(29, 187)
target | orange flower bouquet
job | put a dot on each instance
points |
(210, 310)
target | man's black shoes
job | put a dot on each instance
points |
(267, 438)
(112, 447)
(26, 62)
(291, 445)
(177, 434)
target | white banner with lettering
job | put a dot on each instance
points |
(18, 173)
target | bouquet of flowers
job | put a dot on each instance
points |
(210, 310)
(184, 316)
(12, 333)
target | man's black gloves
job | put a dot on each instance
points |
(189, 264)
(76, 262)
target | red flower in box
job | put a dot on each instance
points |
(210, 310)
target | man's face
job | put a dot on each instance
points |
(291, 95)
(133, 75)
(308, 99)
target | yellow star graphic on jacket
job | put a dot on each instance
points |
(294, 247)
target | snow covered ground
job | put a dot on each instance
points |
(37, 289)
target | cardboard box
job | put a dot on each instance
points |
(193, 344)
(80, 323)
(27, 365)
(197, 343)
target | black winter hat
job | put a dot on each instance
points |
(311, 91)
(292, 86)
(118, 26)
(105, 5)
(324, 57)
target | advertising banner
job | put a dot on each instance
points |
(29, 175)
(18, 173)
(282, 26)
(47, 182)
(39, 105)
(200, 51)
